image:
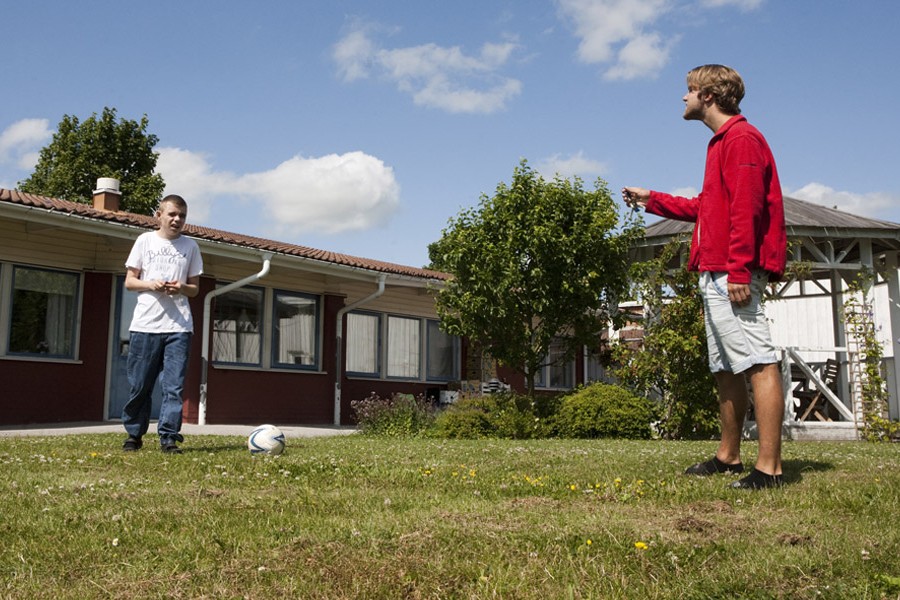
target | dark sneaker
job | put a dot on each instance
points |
(170, 448)
(757, 480)
(132, 444)
(714, 466)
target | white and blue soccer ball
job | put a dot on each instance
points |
(266, 439)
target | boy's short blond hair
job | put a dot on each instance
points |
(724, 83)
(174, 199)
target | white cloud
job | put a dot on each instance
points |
(868, 205)
(613, 31)
(743, 5)
(641, 56)
(435, 76)
(329, 194)
(189, 174)
(619, 33)
(20, 143)
(686, 192)
(569, 166)
(353, 54)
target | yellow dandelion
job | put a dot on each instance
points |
(589, 542)
(640, 545)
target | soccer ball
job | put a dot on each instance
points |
(266, 439)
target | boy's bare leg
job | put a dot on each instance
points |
(732, 410)
(769, 404)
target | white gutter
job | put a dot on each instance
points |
(207, 308)
(339, 335)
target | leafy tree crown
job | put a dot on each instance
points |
(100, 146)
(539, 260)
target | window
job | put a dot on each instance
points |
(556, 373)
(595, 369)
(403, 347)
(295, 330)
(441, 353)
(43, 313)
(393, 346)
(237, 327)
(363, 336)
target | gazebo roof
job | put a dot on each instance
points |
(803, 220)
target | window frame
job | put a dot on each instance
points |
(542, 380)
(456, 350)
(275, 332)
(379, 345)
(419, 376)
(7, 293)
(262, 328)
(424, 356)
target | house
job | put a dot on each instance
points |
(283, 333)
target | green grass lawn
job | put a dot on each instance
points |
(355, 517)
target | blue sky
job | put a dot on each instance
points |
(362, 127)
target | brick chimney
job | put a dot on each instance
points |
(107, 194)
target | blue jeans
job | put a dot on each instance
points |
(150, 354)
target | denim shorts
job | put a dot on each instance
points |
(738, 337)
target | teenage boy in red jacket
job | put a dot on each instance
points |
(739, 244)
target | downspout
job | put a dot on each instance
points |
(339, 335)
(584, 365)
(207, 309)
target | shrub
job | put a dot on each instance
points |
(672, 362)
(401, 415)
(502, 415)
(601, 410)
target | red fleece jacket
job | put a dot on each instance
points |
(739, 213)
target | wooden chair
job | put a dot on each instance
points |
(813, 402)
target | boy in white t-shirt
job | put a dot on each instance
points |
(164, 268)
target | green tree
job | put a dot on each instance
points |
(539, 260)
(82, 152)
(672, 362)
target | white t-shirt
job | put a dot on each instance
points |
(168, 260)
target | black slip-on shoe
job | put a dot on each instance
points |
(170, 448)
(757, 480)
(713, 466)
(132, 444)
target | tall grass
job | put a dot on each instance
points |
(357, 517)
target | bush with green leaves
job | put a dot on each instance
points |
(503, 415)
(401, 415)
(601, 410)
(672, 362)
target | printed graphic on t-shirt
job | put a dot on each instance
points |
(165, 263)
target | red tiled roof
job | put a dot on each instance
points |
(215, 235)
